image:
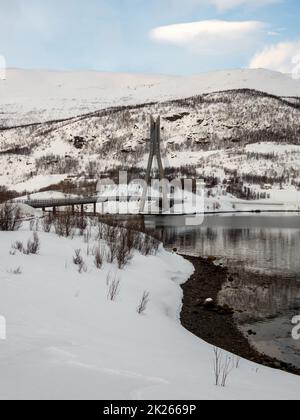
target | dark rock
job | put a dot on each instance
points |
(177, 117)
(79, 142)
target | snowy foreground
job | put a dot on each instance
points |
(66, 340)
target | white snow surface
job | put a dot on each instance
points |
(272, 148)
(26, 211)
(65, 340)
(28, 96)
(38, 182)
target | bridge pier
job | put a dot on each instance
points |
(82, 209)
(95, 209)
(73, 209)
(54, 210)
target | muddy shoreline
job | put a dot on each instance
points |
(214, 324)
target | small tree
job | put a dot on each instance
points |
(10, 216)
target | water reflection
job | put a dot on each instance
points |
(258, 297)
(268, 244)
(263, 253)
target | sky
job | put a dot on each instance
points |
(151, 36)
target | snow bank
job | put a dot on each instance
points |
(66, 340)
(38, 182)
(27, 211)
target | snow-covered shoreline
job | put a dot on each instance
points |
(67, 341)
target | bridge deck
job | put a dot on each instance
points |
(65, 202)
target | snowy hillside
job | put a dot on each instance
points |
(28, 96)
(66, 339)
(242, 137)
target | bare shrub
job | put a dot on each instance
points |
(81, 224)
(33, 246)
(143, 303)
(113, 284)
(237, 362)
(147, 245)
(78, 260)
(222, 368)
(132, 237)
(37, 225)
(88, 250)
(10, 216)
(226, 370)
(124, 248)
(217, 365)
(99, 258)
(18, 246)
(17, 271)
(65, 225)
(47, 223)
(100, 231)
(110, 235)
(32, 224)
(82, 268)
(87, 234)
(122, 239)
(12, 252)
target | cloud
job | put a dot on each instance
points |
(283, 57)
(210, 36)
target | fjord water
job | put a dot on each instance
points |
(263, 256)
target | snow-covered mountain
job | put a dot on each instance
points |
(28, 96)
(232, 132)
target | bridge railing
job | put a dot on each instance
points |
(60, 202)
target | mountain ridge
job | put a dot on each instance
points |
(33, 96)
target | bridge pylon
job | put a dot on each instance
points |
(155, 151)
